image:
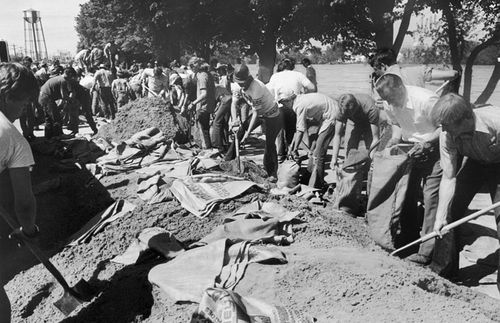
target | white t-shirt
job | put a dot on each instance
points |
(415, 118)
(289, 81)
(258, 97)
(15, 151)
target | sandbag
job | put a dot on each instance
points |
(220, 305)
(388, 187)
(288, 174)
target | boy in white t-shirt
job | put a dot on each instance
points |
(18, 86)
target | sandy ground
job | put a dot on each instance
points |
(334, 272)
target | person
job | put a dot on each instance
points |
(102, 85)
(212, 69)
(135, 82)
(18, 87)
(205, 98)
(474, 134)
(56, 88)
(96, 57)
(384, 61)
(28, 118)
(82, 59)
(121, 89)
(362, 117)
(409, 111)
(111, 53)
(264, 111)
(155, 83)
(310, 72)
(286, 81)
(178, 96)
(83, 100)
(221, 117)
(56, 69)
(318, 109)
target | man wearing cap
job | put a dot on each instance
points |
(313, 108)
(264, 110)
(102, 83)
(205, 98)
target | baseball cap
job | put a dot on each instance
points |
(241, 73)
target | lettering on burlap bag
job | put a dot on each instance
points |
(388, 188)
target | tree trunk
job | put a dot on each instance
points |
(468, 66)
(383, 27)
(456, 56)
(490, 87)
(403, 27)
(267, 58)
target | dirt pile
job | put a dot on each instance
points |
(141, 114)
(334, 271)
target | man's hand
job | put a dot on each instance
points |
(245, 137)
(235, 125)
(421, 151)
(438, 226)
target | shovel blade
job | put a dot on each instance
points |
(67, 303)
(71, 299)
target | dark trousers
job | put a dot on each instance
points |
(108, 102)
(272, 127)
(96, 104)
(53, 117)
(28, 120)
(285, 137)
(470, 179)
(316, 164)
(219, 125)
(203, 122)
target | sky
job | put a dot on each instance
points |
(57, 17)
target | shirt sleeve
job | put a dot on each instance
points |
(373, 115)
(301, 119)
(449, 154)
(202, 81)
(21, 155)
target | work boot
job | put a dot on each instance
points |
(419, 259)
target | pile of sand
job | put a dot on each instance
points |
(141, 114)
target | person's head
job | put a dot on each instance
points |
(390, 87)
(280, 67)
(348, 104)
(382, 59)
(241, 76)
(27, 61)
(157, 71)
(289, 64)
(213, 63)
(286, 98)
(306, 62)
(195, 63)
(454, 114)
(70, 73)
(18, 87)
(221, 69)
(56, 63)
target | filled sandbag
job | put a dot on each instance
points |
(288, 174)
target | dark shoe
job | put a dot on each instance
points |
(419, 259)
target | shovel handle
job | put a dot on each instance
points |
(448, 227)
(38, 254)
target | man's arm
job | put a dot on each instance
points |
(25, 205)
(444, 75)
(339, 127)
(250, 126)
(308, 85)
(375, 129)
(449, 164)
(297, 139)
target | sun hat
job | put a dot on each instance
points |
(241, 73)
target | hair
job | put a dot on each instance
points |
(69, 72)
(214, 61)
(289, 64)
(306, 61)
(280, 67)
(390, 87)
(157, 71)
(451, 108)
(385, 56)
(17, 82)
(345, 102)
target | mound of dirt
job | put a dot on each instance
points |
(334, 271)
(141, 114)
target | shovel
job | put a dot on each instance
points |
(448, 227)
(73, 296)
(237, 146)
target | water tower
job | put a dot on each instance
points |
(34, 38)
